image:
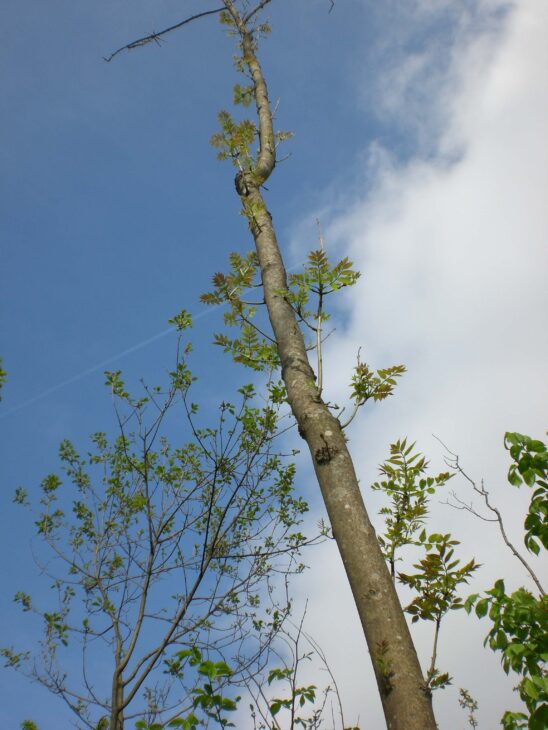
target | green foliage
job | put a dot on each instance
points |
(181, 539)
(211, 705)
(439, 574)
(519, 621)
(29, 725)
(530, 457)
(437, 578)
(176, 665)
(208, 696)
(515, 721)
(409, 490)
(21, 496)
(306, 293)
(185, 723)
(243, 95)
(282, 136)
(253, 348)
(298, 696)
(519, 631)
(13, 659)
(116, 384)
(319, 278)
(226, 19)
(367, 385)
(214, 704)
(467, 702)
(249, 349)
(384, 665)
(235, 138)
(435, 583)
(24, 600)
(3, 378)
(182, 321)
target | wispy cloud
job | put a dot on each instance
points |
(451, 239)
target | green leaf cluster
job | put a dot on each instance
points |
(3, 378)
(306, 292)
(367, 384)
(467, 702)
(208, 696)
(234, 139)
(530, 457)
(204, 522)
(243, 95)
(253, 348)
(408, 487)
(519, 631)
(319, 279)
(438, 576)
(182, 321)
(299, 696)
(519, 621)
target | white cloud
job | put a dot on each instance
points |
(452, 244)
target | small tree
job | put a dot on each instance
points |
(439, 575)
(158, 553)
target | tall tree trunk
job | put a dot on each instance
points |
(406, 702)
(117, 707)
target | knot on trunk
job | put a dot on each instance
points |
(325, 453)
(241, 185)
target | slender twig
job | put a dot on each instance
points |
(256, 9)
(155, 37)
(454, 463)
(468, 507)
(357, 405)
(432, 669)
(319, 651)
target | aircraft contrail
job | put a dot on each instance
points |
(99, 365)
(113, 358)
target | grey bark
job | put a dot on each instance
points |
(405, 698)
(117, 710)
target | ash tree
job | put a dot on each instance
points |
(161, 557)
(294, 309)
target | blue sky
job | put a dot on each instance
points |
(419, 144)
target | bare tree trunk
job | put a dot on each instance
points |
(406, 700)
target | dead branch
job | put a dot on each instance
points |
(156, 37)
(453, 462)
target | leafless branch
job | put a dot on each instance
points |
(432, 669)
(357, 405)
(468, 507)
(453, 462)
(256, 10)
(156, 37)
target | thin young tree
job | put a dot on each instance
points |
(405, 696)
(160, 556)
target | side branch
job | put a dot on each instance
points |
(255, 10)
(155, 37)
(453, 461)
